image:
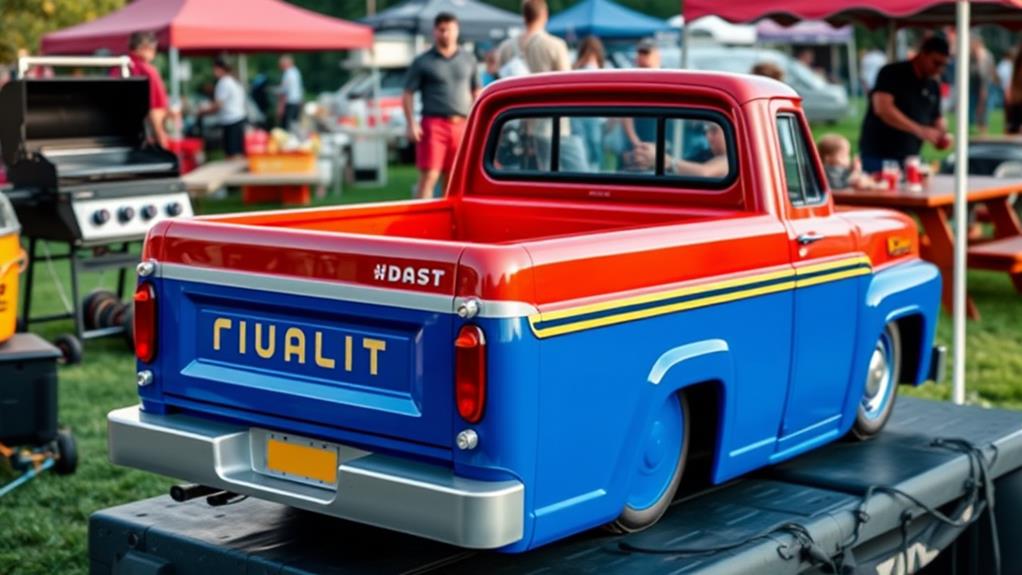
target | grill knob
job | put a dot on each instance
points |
(148, 212)
(126, 214)
(100, 217)
(174, 209)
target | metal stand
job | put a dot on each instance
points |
(120, 259)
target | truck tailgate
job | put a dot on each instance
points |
(313, 349)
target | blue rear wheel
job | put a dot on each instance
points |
(658, 469)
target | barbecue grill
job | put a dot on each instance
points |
(84, 175)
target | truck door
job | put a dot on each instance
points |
(828, 274)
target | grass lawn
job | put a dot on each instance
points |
(43, 525)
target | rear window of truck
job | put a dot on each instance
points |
(693, 148)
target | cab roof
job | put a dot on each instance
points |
(741, 87)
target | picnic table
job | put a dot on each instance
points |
(933, 207)
(212, 176)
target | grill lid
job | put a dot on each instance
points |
(69, 113)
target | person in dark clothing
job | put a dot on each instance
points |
(904, 108)
(1013, 97)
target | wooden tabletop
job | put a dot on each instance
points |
(939, 191)
(212, 176)
(996, 139)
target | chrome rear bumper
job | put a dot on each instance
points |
(425, 500)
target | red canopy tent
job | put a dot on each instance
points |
(897, 13)
(207, 26)
(868, 12)
(192, 26)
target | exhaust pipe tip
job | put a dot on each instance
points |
(188, 491)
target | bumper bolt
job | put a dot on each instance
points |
(467, 440)
(145, 377)
(146, 268)
(468, 309)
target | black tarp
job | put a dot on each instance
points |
(478, 22)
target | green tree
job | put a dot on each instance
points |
(23, 23)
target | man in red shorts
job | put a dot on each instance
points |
(447, 80)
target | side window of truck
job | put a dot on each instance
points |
(597, 144)
(802, 181)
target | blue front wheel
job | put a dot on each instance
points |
(881, 385)
(659, 467)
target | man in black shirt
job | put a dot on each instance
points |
(904, 108)
(446, 77)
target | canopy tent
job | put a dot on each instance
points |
(962, 13)
(205, 26)
(715, 29)
(476, 21)
(814, 33)
(869, 12)
(605, 20)
(808, 32)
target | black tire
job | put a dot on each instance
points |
(107, 311)
(70, 349)
(117, 319)
(129, 326)
(633, 520)
(67, 453)
(90, 303)
(869, 422)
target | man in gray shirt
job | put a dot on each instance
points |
(447, 79)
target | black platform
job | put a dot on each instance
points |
(821, 491)
(28, 390)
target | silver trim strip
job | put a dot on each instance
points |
(674, 356)
(389, 492)
(498, 309)
(339, 291)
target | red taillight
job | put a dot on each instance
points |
(470, 373)
(145, 322)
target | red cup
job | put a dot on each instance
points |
(912, 173)
(892, 180)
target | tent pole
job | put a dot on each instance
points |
(175, 89)
(175, 76)
(853, 69)
(378, 135)
(243, 70)
(684, 45)
(892, 40)
(961, 206)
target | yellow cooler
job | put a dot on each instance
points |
(12, 262)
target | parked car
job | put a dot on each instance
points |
(351, 104)
(543, 350)
(821, 100)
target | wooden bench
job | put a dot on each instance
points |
(1003, 255)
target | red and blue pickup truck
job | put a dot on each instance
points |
(629, 271)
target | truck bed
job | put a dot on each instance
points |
(477, 220)
(819, 491)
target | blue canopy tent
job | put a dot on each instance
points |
(605, 20)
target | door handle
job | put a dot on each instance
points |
(810, 238)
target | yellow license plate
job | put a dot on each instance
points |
(303, 461)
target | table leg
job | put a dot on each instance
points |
(940, 249)
(1006, 225)
(1004, 218)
